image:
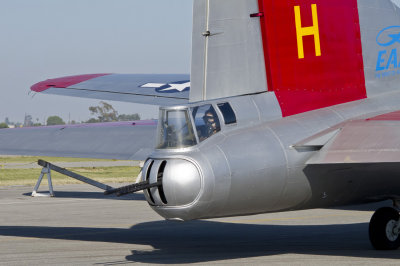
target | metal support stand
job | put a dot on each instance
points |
(45, 170)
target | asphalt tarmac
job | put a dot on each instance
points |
(80, 226)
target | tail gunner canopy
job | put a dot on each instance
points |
(182, 127)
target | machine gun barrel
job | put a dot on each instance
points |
(133, 188)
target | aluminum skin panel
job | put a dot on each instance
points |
(261, 171)
(313, 53)
(380, 24)
(228, 62)
(182, 182)
(261, 174)
(317, 141)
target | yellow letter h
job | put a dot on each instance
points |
(307, 31)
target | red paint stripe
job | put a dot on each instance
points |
(63, 82)
(316, 81)
(394, 116)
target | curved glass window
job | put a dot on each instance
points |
(206, 121)
(175, 129)
(228, 113)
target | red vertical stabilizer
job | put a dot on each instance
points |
(313, 53)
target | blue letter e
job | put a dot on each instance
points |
(381, 60)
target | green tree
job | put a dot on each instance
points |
(37, 124)
(3, 125)
(55, 120)
(131, 117)
(104, 112)
(92, 120)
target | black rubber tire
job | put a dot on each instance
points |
(377, 229)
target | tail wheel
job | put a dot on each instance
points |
(384, 229)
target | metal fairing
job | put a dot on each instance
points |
(252, 167)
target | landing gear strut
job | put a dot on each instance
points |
(384, 229)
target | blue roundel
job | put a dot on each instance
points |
(174, 87)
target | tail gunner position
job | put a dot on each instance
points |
(290, 105)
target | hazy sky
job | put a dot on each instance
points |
(43, 39)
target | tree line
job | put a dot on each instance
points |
(104, 112)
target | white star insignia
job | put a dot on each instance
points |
(173, 86)
(178, 87)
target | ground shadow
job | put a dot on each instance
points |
(209, 241)
(371, 207)
(92, 195)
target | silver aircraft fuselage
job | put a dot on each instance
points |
(252, 167)
(255, 165)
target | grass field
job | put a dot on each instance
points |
(116, 174)
(29, 159)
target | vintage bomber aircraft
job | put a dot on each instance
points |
(290, 105)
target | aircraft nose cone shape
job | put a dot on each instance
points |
(181, 182)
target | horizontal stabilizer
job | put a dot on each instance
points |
(362, 141)
(163, 89)
(115, 140)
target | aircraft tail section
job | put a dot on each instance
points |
(307, 51)
(227, 50)
(310, 53)
(314, 53)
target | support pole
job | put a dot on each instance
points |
(45, 170)
(47, 167)
(74, 175)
